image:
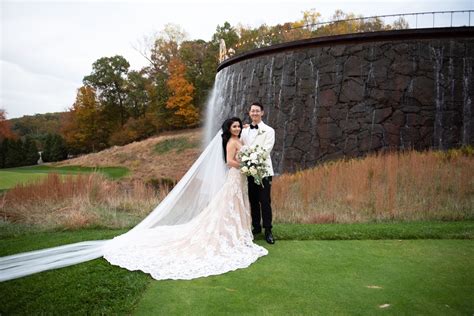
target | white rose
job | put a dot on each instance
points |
(253, 156)
(253, 171)
(244, 169)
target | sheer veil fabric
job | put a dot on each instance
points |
(191, 202)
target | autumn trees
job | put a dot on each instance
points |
(310, 25)
(117, 105)
(86, 126)
(181, 96)
(5, 129)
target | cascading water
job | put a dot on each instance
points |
(334, 101)
(439, 97)
(467, 83)
(314, 114)
(215, 106)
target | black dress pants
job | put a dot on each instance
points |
(260, 203)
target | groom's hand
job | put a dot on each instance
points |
(246, 125)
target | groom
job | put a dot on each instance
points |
(259, 133)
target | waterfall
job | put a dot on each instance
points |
(320, 111)
(214, 105)
(439, 97)
(314, 112)
(467, 103)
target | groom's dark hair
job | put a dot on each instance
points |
(257, 104)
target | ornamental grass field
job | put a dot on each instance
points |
(391, 187)
(405, 186)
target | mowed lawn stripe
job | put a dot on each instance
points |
(13, 176)
(363, 277)
(8, 179)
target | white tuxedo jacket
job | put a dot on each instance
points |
(264, 137)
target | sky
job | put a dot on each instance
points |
(47, 47)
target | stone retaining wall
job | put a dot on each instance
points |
(350, 98)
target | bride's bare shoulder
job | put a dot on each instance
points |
(234, 143)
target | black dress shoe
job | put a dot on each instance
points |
(256, 231)
(269, 237)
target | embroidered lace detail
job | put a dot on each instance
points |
(218, 240)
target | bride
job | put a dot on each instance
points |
(201, 228)
(216, 241)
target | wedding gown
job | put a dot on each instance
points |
(201, 228)
(218, 240)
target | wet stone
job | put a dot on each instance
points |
(350, 99)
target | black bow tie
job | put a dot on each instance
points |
(252, 126)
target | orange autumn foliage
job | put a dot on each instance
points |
(84, 128)
(5, 129)
(181, 96)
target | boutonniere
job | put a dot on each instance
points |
(260, 132)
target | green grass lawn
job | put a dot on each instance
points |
(13, 176)
(331, 278)
(176, 144)
(306, 272)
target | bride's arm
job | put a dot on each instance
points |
(231, 151)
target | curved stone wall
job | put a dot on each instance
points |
(344, 96)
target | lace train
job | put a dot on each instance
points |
(218, 240)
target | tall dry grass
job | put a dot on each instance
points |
(393, 186)
(79, 201)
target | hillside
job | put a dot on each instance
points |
(394, 186)
(175, 154)
(37, 125)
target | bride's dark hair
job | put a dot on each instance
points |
(226, 134)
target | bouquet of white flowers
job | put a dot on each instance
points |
(252, 162)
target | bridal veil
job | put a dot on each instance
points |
(187, 200)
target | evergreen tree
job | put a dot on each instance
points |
(3, 151)
(14, 153)
(47, 145)
(54, 149)
(30, 151)
(59, 148)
